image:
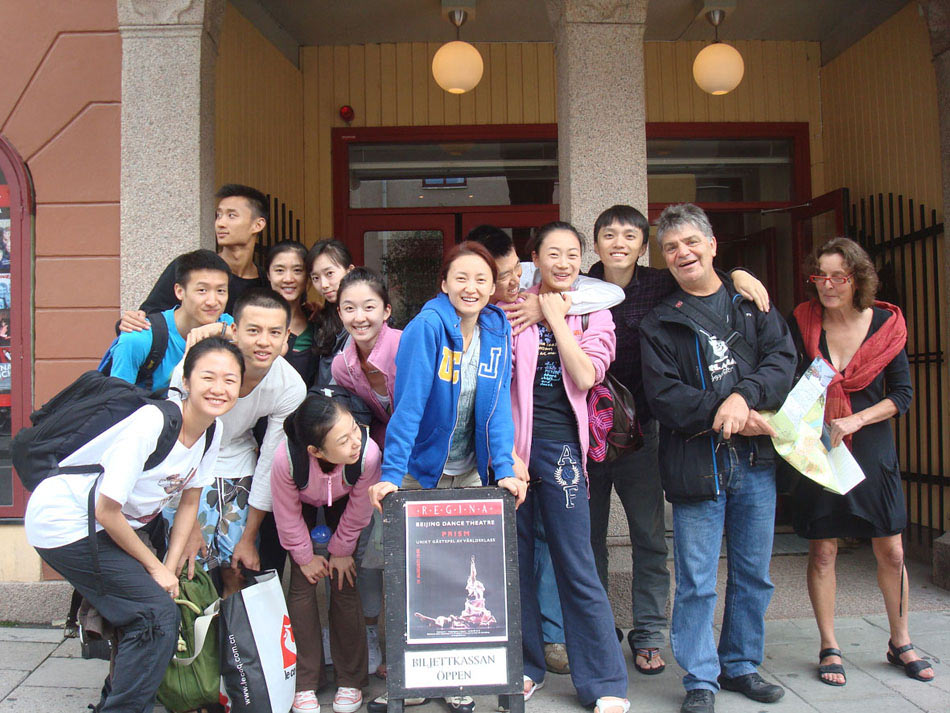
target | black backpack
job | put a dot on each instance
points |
(159, 332)
(89, 406)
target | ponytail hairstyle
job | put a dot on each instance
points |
(327, 323)
(309, 426)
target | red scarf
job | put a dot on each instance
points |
(874, 354)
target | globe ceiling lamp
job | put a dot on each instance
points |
(457, 66)
(718, 68)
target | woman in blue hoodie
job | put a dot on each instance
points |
(452, 400)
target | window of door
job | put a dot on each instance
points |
(16, 227)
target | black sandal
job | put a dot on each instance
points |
(830, 667)
(649, 654)
(912, 669)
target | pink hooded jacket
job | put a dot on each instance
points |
(597, 341)
(348, 374)
(322, 489)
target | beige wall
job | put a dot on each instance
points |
(879, 105)
(259, 134)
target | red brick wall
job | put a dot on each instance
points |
(60, 108)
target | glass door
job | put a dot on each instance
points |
(407, 250)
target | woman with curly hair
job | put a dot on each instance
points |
(863, 340)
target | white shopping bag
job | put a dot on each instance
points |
(258, 654)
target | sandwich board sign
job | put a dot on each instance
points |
(453, 609)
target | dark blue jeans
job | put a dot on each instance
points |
(143, 614)
(745, 513)
(560, 490)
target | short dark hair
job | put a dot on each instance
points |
(211, 344)
(548, 228)
(858, 261)
(256, 199)
(495, 240)
(198, 260)
(260, 297)
(366, 276)
(469, 247)
(624, 215)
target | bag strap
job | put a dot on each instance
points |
(159, 330)
(202, 625)
(353, 471)
(704, 317)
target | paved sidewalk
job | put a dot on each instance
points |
(41, 672)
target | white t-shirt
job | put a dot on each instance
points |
(277, 396)
(57, 514)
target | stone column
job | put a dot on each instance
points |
(937, 13)
(169, 49)
(600, 107)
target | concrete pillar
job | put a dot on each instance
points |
(937, 13)
(600, 107)
(169, 49)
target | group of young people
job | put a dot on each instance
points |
(322, 410)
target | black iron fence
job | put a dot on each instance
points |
(281, 226)
(906, 243)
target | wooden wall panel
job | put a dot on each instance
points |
(392, 85)
(781, 83)
(259, 135)
(879, 105)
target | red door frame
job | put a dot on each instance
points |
(836, 202)
(360, 224)
(22, 209)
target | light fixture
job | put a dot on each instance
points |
(457, 66)
(718, 68)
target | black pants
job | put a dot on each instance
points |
(145, 617)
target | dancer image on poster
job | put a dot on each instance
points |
(473, 616)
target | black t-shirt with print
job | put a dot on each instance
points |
(721, 373)
(553, 416)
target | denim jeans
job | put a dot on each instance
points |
(552, 621)
(636, 478)
(745, 512)
(560, 491)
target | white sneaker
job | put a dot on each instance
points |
(306, 702)
(347, 700)
(372, 646)
(327, 657)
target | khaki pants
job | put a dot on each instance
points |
(347, 632)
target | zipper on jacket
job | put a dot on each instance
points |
(712, 439)
(491, 412)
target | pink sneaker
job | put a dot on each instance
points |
(305, 702)
(347, 700)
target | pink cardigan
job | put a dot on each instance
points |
(348, 374)
(322, 489)
(597, 341)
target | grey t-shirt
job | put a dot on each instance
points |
(462, 450)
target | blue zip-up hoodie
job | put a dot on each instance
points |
(427, 393)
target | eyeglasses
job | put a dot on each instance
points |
(833, 279)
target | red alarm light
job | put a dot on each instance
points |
(347, 113)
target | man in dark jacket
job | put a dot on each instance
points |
(711, 364)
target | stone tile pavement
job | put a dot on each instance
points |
(39, 671)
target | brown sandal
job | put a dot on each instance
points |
(649, 654)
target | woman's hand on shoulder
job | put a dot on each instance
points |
(751, 288)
